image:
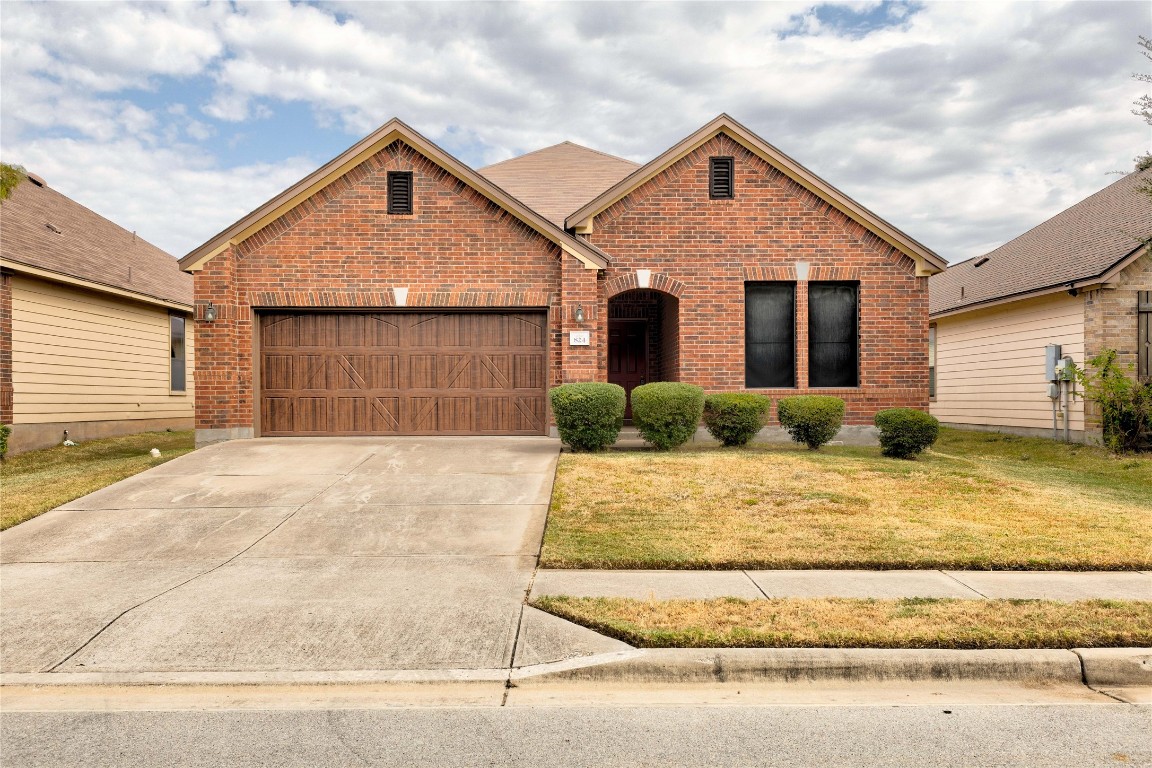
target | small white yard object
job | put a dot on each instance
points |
(155, 453)
(69, 443)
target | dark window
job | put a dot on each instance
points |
(832, 338)
(769, 335)
(1144, 335)
(179, 375)
(399, 192)
(932, 360)
(720, 182)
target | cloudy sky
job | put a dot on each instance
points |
(964, 124)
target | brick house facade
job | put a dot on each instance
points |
(333, 315)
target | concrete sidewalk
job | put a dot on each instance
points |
(752, 585)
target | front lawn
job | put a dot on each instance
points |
(855, 623)
(977, 500)
(38, 481)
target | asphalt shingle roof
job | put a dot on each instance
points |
(558, 180)
(39, 227)
(1077, 244)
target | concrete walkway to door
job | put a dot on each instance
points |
(292, 555)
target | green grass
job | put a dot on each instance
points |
(38, 481)
(977, 500)
(856, 623)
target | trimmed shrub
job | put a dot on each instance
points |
(667, 413)
(905, 432)
(588, 416)
(811, 419)
(734, 418)
(5, 430)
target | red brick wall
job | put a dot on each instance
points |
(711, 247)
(340, 249)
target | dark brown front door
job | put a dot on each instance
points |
(628, 356)
(403, 373)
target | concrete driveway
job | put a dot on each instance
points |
(299, 555)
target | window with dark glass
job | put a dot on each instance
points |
(769, 335)
(833, 341)
(178, 369)
(720, 182)
(932, 360)
(399, 192)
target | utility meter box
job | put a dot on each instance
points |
(1052, 362)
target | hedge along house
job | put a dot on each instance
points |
(95, 331)
(398, 291)
(1080, 281)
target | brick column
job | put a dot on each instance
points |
(223, 384)
(579, 287)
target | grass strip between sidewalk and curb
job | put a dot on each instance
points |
(981, 501)
(37, 481)
(946, 623)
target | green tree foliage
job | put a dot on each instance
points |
(1125, 404)
(10, 178)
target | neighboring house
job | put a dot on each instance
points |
(95, 331)
(398, 291)
(1081, 280)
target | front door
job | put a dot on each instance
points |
(628, 356)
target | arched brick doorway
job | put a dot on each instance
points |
(643, 338)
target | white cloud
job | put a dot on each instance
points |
(962, 123)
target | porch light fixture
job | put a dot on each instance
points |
(579, 313)
(210, 313)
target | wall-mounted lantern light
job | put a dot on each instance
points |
(579, 313)
(210, 313)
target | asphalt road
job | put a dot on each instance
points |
(972, 736)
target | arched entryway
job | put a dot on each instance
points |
(643, 338)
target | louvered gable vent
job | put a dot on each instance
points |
(399, 192)
(720, 183)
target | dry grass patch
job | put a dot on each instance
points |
(38, 481)
(977, 501)
(855, 623)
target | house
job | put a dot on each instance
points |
(396, 290)
(1081, 280)
(95, 331)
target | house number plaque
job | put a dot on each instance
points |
(579, 338)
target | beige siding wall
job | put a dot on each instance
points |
(990, 363)
(82, 356)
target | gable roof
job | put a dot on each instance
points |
(45, 233)
(927, 261)
(557, 180)
(393, 130)
(1081, 245)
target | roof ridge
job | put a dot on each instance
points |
(560, 144)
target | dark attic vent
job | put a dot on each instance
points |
(53, 228)
(400, 192)
(980, 261)
(720, 184)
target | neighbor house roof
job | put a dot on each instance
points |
(393, 130)
(49, 235)
(557, 180)
(1082, 245)
(927, 261)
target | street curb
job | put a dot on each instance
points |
(1095, 667)
(1105, 667)
(722, 665)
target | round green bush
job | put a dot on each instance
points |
(905, 432)
(734, 418)
(588, 416)
(667, 413)
(811, 419)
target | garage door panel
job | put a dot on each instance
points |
(403, 373)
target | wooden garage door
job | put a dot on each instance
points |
(411, 373)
